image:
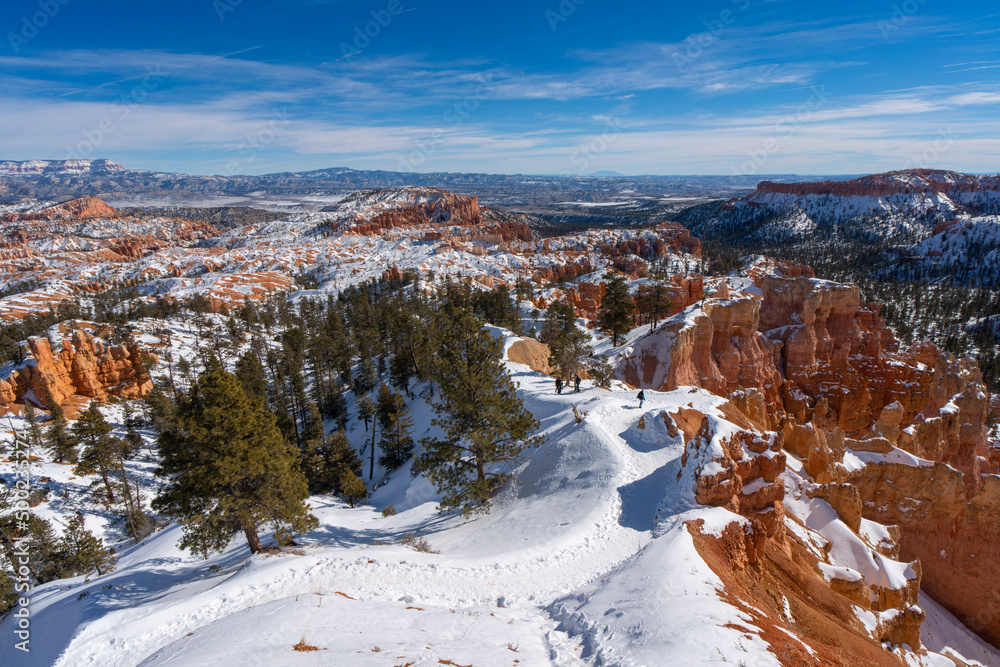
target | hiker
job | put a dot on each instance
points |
(641, 397)
(576, 381)
(559, 384)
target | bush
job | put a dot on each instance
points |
(37, 497)
(600, 371)
(416, 543)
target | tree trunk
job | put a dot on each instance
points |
(107, 483)
(128, 501)
(480, 466)
(371, 465)
(253, 540)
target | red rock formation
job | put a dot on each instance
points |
(717, 347)
(444, 208)
(83, 367)
(820, 365)
(954, 538)
(739, 472)
(85, 208)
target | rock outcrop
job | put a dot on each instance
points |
(84, 208)
(715, 345)
(738, 471)
(894, 436)
(83, 367)
(730, 464)
(530, 352)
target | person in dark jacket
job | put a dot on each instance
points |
(559, 384)
(576, 381)
(641, 397)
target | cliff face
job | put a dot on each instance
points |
(896, 182)
(895, 436)
(715, 345)
(85, 208)
(731, 464)
(83, 367)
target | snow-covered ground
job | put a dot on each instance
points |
(571, 567)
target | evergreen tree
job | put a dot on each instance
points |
(35, 438)
(352, 488)
(312, 430)
(161, 409)
(477, 408)
(82, 551)
(567, 343)
(326, 462)
(617, 307)
(252, 376)
(600, 371)
(101, 447)
(8, 594)
(230, 469)
(653, 303)
(396, 442)
(61, 441)
(366, 409)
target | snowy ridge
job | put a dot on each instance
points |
(52, 167)
(900, 206)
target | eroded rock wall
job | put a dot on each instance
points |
(809, 359)
(82, 367)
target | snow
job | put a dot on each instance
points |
(654, 609)
(943, 633)
(583, 512)
(587, 560)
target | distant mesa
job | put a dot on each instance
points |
(607, 174)
(84, 208)
(911, 181)
(56, 167)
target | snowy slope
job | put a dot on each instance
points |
(571, 567)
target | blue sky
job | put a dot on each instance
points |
(548, 87)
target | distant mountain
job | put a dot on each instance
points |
(915, 225)
(902, 206)
(53, 180)
(58, 167)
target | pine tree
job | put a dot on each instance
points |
(326, 462)
(252, 376)
(652, 301)
(101, 447)
(477, 408)
(60, 439)
(161, 408)
(35, 438)
(396, 442)
(601, 372)
(82, 551)
(567, 343)
(366, 409)
(229, 468)
(615, 312)
(8, 594)
(312, 429)
(352, 488)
